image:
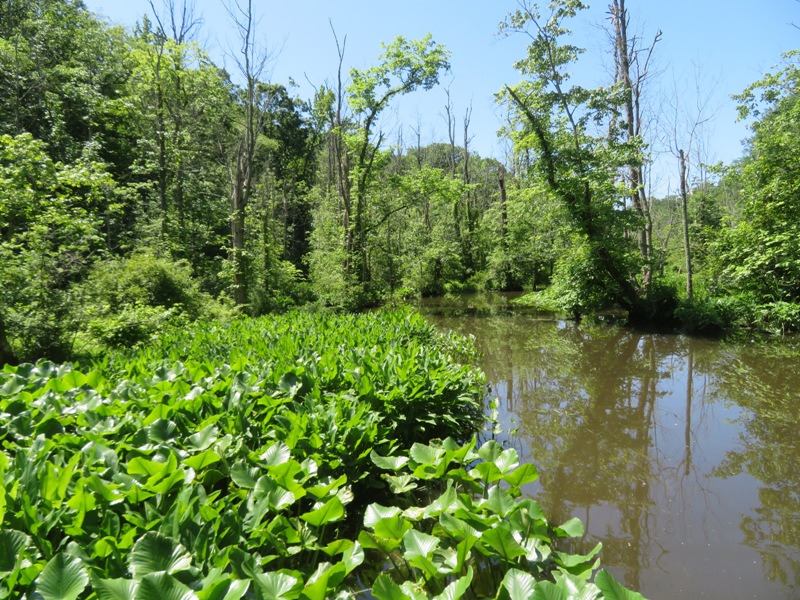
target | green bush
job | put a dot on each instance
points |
(127, 301)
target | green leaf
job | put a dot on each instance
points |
(154, 553)
(501, 540)
(352, 558)
(393, 528)
(400, 484)
(243, 476)
(417, 543)
(522, 475)
(386, 589)
(390, 463)
(490, 451)
(426, 455)
(202, 460)
(443, 503)
(457, 589)
(277, 454)
(114, 589)
(63, 578)
(162, 586)
(572, 528)
(203, 438)
(331, 511)
(612, 589)
(375, 512)
(276, 496)
(518, 584)
(277, 586)
(500, 502)
(323, 581)
(12, 544)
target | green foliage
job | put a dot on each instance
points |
(576, 137)
(128, 301)
(761, 254)
(49, 235)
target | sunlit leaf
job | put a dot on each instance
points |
(331, 511)
(63, 578)
(162, 586)
(612, 589)
(153, 553)
(518, 584)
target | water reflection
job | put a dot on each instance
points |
(680, 455)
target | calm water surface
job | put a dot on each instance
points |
(681, 455)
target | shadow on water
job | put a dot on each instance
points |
(681, 455)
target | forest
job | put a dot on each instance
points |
(143, 186)
(195, 401)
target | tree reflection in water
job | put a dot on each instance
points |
(631, 433)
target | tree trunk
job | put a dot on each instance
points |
(6, 352)
(685, 214)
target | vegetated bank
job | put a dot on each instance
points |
(300, 456)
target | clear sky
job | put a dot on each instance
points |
(730, 43)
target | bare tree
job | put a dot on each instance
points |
(632, 70)
(686, 129)
(252, 61)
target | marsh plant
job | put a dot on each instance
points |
(304, 456)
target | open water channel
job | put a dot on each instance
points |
(681, 455)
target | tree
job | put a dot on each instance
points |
(761, 255)
(354, 147)
(580, 147)
(251, 61)
(632, 63)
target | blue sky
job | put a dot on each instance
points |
(729, 43)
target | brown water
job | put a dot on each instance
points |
(681, 455)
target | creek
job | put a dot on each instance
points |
(680, 454)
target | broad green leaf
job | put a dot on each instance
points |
(114, 589)
(457, 589)
(12, 544)
(277, 454)
(417, 543)
(386, 589)
(393, 528)
(458, 529)
(243, 476)
(154, 553)
(161, 431)
(202, 460)
(63, 578)
(500, 502)
(518, 584)
(426, 455)
(573, 560)
(228, 589)
(612, 589)
(203, 438)
(353, 557)
(502, 541)
(400, 484)
(490, 451)
(276, 496)
(572, 528)
(277, 586)
(522, 475)
(375, 512)
(443, 503)
(390, 463)
(324, 580)
(507, 460)
(330, 512)
(162, 586)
